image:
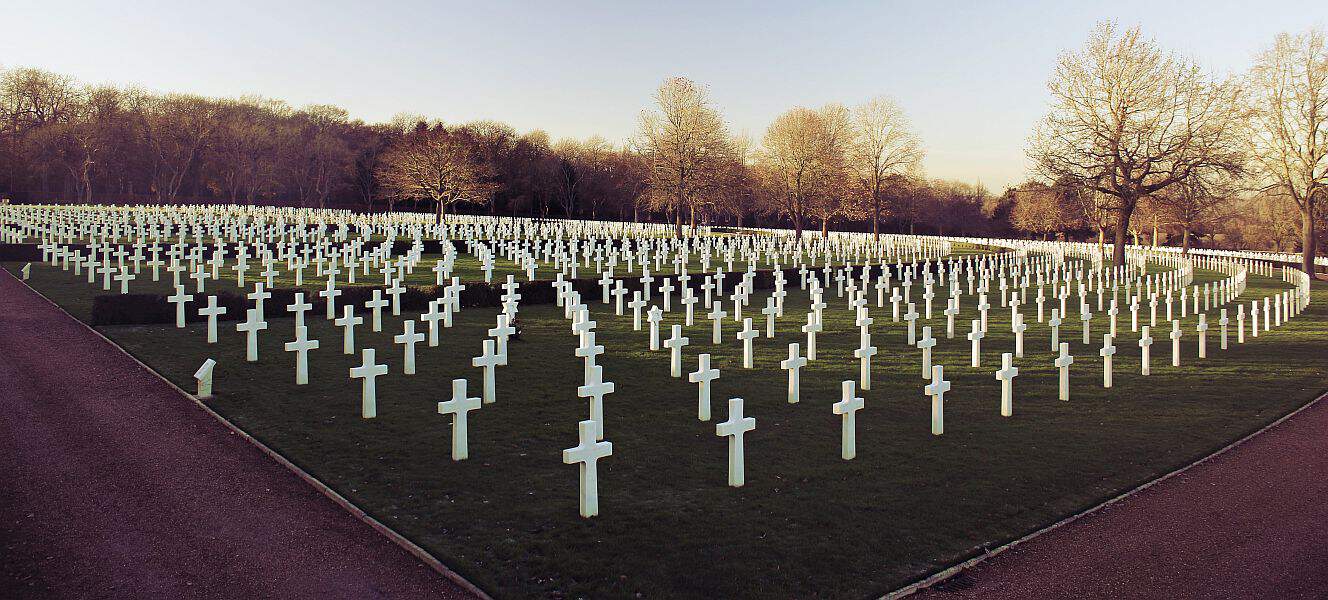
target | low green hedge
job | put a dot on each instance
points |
(140, 309)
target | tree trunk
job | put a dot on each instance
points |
(1308, 242)
(677, 227)
(1185, 240)
(1118, 250)
(876, 216)
(825, 228)
(441, 214)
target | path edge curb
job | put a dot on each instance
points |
(396, 538)
(953, 570)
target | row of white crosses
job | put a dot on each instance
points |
(1006, 374)
(737, 424)
(301, 345)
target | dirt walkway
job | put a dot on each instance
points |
(1250, 523)
(116, 486)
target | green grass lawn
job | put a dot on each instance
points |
(807, 523)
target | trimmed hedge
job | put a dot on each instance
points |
(141, 309)
(31, 252)
(20, 252)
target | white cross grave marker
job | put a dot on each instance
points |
(459, 407)
(735, 429)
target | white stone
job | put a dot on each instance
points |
(1107, 351)
(368, 371)
(793, 364)
(1006, 375)
(735, 429)
(702, 376)
(489, 360)
(864, 354)
(1145, 342)
(252, 324)
(937, 389)
(594, 390)
(654, 316)
(408, 338)
(675, 344)
(587, 453)
(848, 407)
(976, 338)
(747, 335)
(301, 347)
(204, 378)
(348, 322)
(1063, 363)
(211, 312)
(459, 407)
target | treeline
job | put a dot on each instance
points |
(1139, 145)
(61, 140)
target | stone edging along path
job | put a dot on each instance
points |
(345, 504)
(941, 577)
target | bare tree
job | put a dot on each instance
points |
(432, 163)
(177, 129)
(34, 106)
(1043, 209)
(833, 196)
(804, 160)
(685, 140)
(1289, 84)
(886, 145)
(1129, 120)
(1193, 206)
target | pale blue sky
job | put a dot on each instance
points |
(971, 75)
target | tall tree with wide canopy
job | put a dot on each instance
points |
(804, 160)
(435, 164)
(1289, 126)
(686, 142)
(886, 145)
(1129, 119)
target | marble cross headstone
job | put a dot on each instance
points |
(459, 406)
(735, 428)
(937, 389)
(1006, 375)
(793, 364)
(368, 371)
(848, 406)
(1063, 363)
(301, 347)
(586, 454)
(702, 376)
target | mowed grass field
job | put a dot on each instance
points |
(807, 523)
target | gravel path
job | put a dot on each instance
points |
(116, 486)
(1250, 523)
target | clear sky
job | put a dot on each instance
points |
(971, 76)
